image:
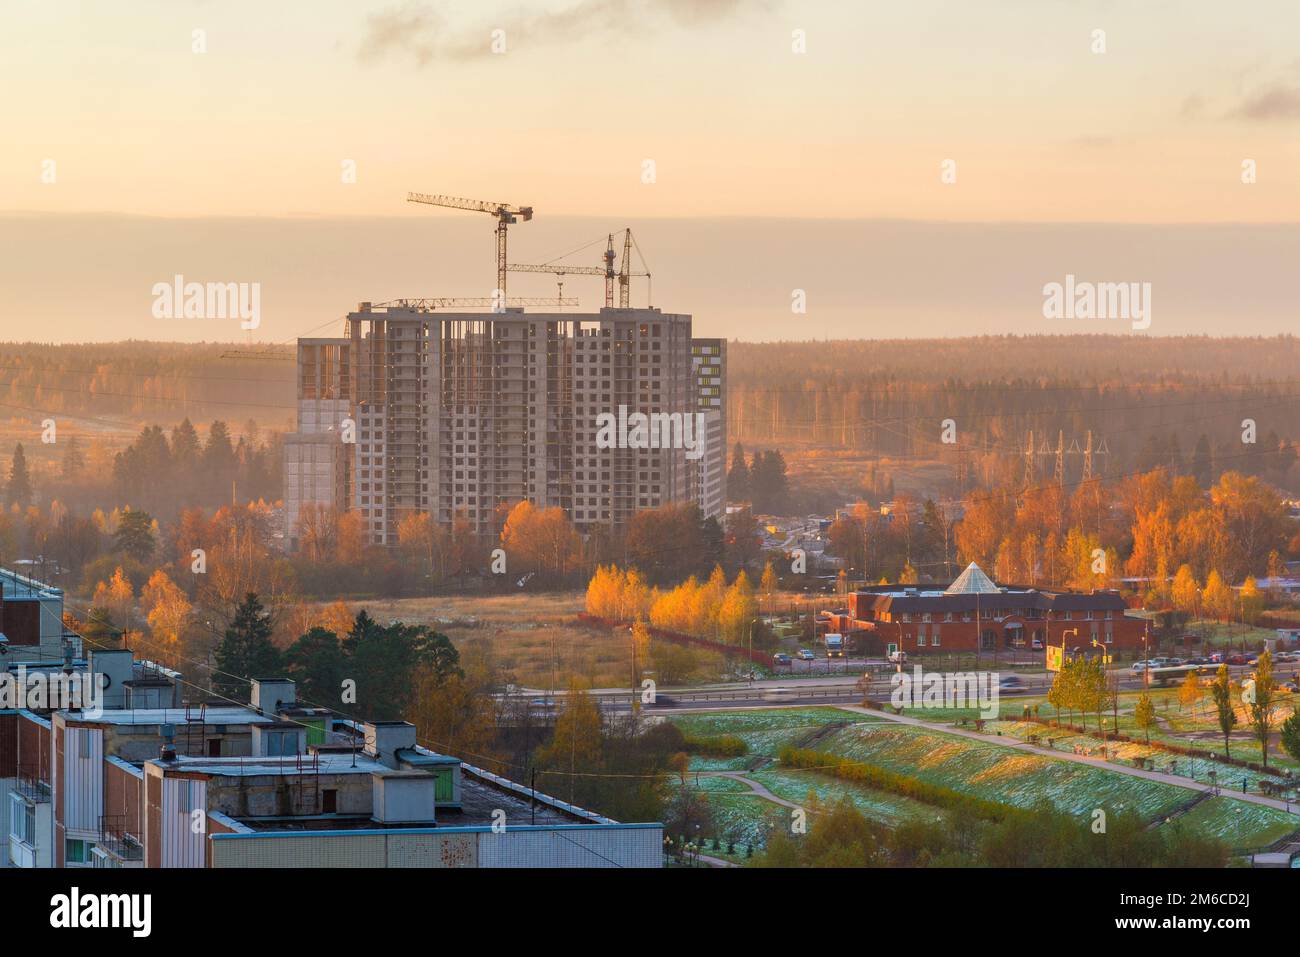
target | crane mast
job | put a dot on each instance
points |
(623, 275)
(506, 215)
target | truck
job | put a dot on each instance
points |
(834, 646)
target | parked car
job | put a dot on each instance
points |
(1199, 660)
(1286, 656)
(1216, 658)
(806, 655)
(898, 658)
(1237, 660)
(1036, 644)
(1139, 666)
(782, 659)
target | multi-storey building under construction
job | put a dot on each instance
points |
(457, 413)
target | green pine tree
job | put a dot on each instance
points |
(19, 490)
(246, 651)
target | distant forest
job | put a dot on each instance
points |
(145, 382)
(1146, 400)
(1150, 400)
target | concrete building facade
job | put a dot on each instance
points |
(457, 413)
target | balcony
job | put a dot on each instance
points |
(114, 839)
(30, 785)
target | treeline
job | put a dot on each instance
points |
(159, 471)
(1146, 526)
(708, 609)
(541, 545)
(759, 480)
(144, 380)
(890, 397)
(839, 835)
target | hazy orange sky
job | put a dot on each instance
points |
(1040, 128)
(153, 138)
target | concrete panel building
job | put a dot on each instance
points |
(457, 413)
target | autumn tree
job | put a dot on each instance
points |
(1221, 692)
(117, 598)
(1186, 592)
(1262, 701)
(351, 537)
(681, 764)
(1250, 601)
(424, 541)
(456, 711)
(318, 532)
(168, 611)
(1290, 735)
(1217, 598)
(1144, 713)
(74, 463)
(640, 655)
(540, 540)
(739, 609)
(768, 585)
(575, 746)
(1190, 691)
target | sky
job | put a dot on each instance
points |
(828, 131)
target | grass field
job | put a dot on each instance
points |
(986, 770)
(1191, 726)
(535, 637)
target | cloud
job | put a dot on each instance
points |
(419, 32)
(1277, 102)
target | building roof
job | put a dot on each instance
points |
(261, 766)
(174, 716)
(972, 581)
(973, 590)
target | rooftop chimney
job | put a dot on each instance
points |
(112, 668)
(385, 738)
(270, 695)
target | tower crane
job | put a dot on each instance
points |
(429, 305)
(623, 276)
(506, 215)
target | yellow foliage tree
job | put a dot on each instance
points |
(168, 617)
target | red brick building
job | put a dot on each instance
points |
(974, 612)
